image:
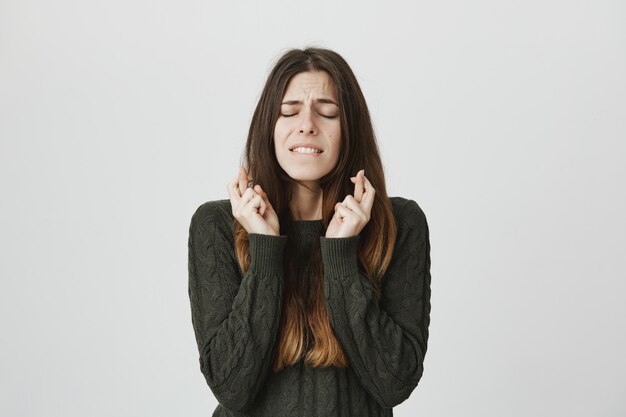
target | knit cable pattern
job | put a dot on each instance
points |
(235, 317)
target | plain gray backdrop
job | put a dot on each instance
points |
(504, 120)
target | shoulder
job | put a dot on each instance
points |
(216, 212)
(409, 215)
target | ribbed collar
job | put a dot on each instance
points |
(304, 226)
(307, 223)
(305, 230)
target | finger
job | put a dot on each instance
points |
(263, 207)
(343, 213)
(267, 206)
(249, 201)
(352, 204)
(247, 174)
(342, 205)
(246, 197)
(243, 180)
(259, 190)
(358, 186)
(336, 213)
(256, 204)
(233, 192)
(368, 196)
(267, 200)
(250, 182)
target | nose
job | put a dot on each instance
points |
(307, 125)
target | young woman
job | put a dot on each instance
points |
(310, 287)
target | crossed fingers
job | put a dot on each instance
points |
(363, 195)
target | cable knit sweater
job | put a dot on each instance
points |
(235, 317)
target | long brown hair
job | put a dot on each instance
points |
(305, 328)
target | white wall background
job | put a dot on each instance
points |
(505, 121)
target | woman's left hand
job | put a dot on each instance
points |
(353, 213)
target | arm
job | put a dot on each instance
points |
(385, 343)
(235, 318)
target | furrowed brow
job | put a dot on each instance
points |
(319, 100)
(326, 100)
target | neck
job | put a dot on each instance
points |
(306, 203)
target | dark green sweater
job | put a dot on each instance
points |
(235, 318)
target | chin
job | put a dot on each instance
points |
(302, 175)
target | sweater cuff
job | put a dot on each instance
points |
(266, 253)
(339, 255)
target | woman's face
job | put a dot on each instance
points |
(309, 119)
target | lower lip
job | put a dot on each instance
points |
(306, 154)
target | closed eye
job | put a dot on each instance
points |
(323, 115)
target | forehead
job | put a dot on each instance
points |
(310, 83)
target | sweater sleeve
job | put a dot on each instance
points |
(235, 318)
(385, 342)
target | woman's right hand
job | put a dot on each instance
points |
(251, 206)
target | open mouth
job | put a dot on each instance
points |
(306, 150)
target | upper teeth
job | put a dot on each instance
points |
(306, 150)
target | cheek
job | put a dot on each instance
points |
(280, 139)
(336, 148)
(280, 133)
(335, 138)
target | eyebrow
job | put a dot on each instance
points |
(319, 100)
